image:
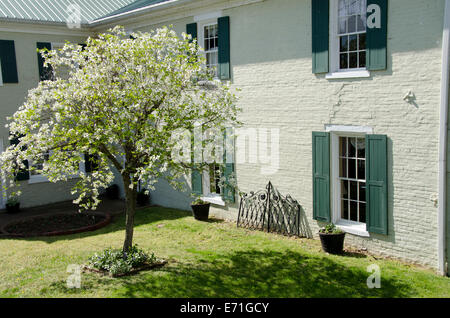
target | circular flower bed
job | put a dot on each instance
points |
(57, 224)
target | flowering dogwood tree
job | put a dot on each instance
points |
(118, 101)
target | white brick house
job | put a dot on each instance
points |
(360, 109)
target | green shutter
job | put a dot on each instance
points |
(197, 187)
(23, 174)
(44, 72)
(320, 35)
(321, 176)
(228, 191)
(377, 39)
(191, 29)
(8, 62)
(376, 184)
(224, 47)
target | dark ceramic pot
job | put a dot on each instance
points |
(201, 211)
(332, 243)
(13, 208)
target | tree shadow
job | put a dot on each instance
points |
(261, 274)
(146, 215)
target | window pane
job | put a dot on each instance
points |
(351, 168)
(344, 189)
(344, 209)
(362, 41)
(353, 42)
(343, 8)
(353, 7)
(353, 60)
(361, 146)
(352, 24)
(362, 212)
(344, 44)
(361, 22)
(361, 169)
(342, 25)
(362, 59)
(343, 146)
(206, 32)
(343, 168)
(353, 190)
(343, 63)
(354, 211)
(352, 147)
(362, 192)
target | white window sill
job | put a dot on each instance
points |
(348, 74)
(214, 199)
(37, 179)
(354, 228)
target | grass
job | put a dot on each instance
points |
(206, 259)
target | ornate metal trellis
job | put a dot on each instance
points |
(268, 210)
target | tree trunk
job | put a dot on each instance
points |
(130, 195)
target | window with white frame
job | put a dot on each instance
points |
(348, 35)
(209, 35)
(352, 179)
(36, 167)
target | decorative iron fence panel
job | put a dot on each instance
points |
(268, 210)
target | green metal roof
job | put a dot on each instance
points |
(136, 5)
(57, 10)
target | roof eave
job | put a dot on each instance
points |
(138, 12)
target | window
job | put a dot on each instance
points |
(348, 40)
(351, 33)
(210, 44)
(352, 179)
(36, 168)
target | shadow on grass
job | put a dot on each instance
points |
(260, 274)
(143, 216)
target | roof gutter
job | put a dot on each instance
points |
(443, 139)
(139, 11)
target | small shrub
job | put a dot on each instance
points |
(199, 201)
(330, 229)
(112, 260)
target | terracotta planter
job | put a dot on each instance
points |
(200, 211)
(332, 243)
(12, 208)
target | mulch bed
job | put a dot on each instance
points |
(57, 224)
(157, 264)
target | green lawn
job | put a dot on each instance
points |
(206, 259)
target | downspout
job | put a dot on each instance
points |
(443, 127)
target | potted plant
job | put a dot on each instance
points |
(112, 192)
(332, 239)
(200, 209)
(143, 197)
(13, 205)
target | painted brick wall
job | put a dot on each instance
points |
(271, 64)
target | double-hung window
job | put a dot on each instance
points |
(349, 37)
(210, 42)
(212, 32)
(351, 34)
(350, 179)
